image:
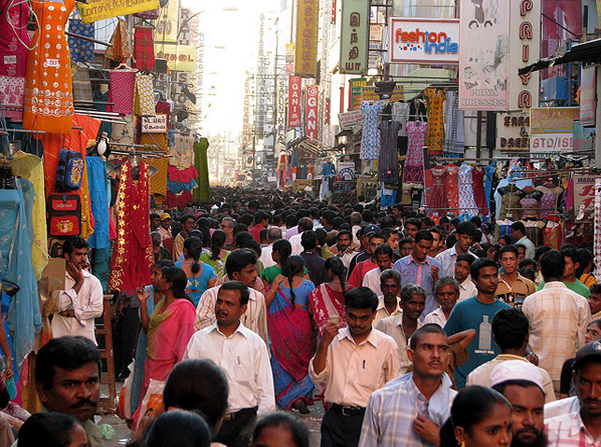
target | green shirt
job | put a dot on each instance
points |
(575, 286)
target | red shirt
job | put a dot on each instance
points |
(256, 232)
(360, 271)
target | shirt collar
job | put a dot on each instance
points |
(371, 338)
(438, 400)
(412, 259)
(241, 329)
(381, 304)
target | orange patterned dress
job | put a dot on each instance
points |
(48, 94)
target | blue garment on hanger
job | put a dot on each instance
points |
(177, 187)
(16, 239)
(489, 172)
(96, 167)
(387, 200)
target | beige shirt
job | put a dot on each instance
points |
(382, 312)
(393, 326)
(354, 371)
(255, 317)
(371, 280)
(437, 316)
(481, 375)
(558, 320)
(467, 289)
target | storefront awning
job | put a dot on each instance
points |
(582, 52)
(309, 146)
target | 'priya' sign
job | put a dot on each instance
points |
(432, 41)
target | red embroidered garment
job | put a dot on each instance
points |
(132, 255)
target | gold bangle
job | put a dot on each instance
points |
(8, 359)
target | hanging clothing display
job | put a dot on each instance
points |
(435, 134)
(478, 186)
(400, 113)
(182, 152)
(158, 182)
(413, 169)
(97, 176)
(388, 163)
(489, 172)
(14, 40)
(24, 318)
(144, 95)
(549, 200)
(48, 94)
(144, 48)
(370, 142)
(203, 192)
(452, 185)
(120, 50)
(437, 197)
(81, 50)
(123, 84)
(454, 140)
(132, 255)
(467, 204)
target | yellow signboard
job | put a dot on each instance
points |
(96, 10)
(167, 27)
(179, 57)
(307, 19)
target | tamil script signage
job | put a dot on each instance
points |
(154, 124)
(96, 10)
(424, 41)
(354, 37)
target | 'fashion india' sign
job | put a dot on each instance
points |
(434, 41)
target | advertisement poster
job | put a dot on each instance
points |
(483, 55)
(427, 41)
(588, 96)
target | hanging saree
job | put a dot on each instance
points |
(132, 255)
(292, 344)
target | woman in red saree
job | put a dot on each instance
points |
(169, 328)
(327, 300)
(292, 338)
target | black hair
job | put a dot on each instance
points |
(66, 352)
(217, 242)
(518, 226)
(585, 258)
(507, 239)
(479, 264)
(410, 290)
(291, 220)
(424, 235)
(198, 384)
(237, 285)
(430, 328)
(508, 249)
(377, 235)
(361, 298)
(73, 242)
(572, 253)
(476, 221)
(467, 228)
(238, 259)
(178, 279)
(242, 238)
(178, 428)
(526, 262)
(595, 288)
(284, 248)
(154, 216)
(415, 222)
(383, 249)
(510, 328)
(472, 405)
(465, 257)
(344, 232)
(390, 273)
(297, 429)
(294, 266)
(48, 429)
(163, 263)
(405, 240)
(338, 268)
(540, 251)
(193, 246)
(309, 239)
(246, 219)
(552, 264)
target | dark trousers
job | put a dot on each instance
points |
(237, 428)
(124, 338)
(338, 430)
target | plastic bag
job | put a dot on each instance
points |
(124, 405)
(152, 404)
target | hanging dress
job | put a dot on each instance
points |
(467, 204)
(370, 141)
(452, 185)
(437, 197)
(48, 91)
(478, 186)
(413, 170)
(454, 137)
(388, 163)
(435, 134)
(132, 255)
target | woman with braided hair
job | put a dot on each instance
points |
(200, 275)
(290, 324)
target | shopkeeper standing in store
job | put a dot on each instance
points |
(81, 300)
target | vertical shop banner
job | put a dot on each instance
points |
(588, 95)
(524, 49)
(483, 57)
(167, 23)
(354, 37)
(95, 10)
(311, 109)
(307, 19)
(294, 101)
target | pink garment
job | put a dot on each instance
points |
(181, 200)
(413, 170)
(181, 175)
(437, 196)
(452, 185)
(478, 185)
(122, 91)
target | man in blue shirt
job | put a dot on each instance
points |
(420, 269)
(477, 313)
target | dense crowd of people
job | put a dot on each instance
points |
(411, 332)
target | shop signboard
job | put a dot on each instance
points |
(346, 170)
(483, 61)
(513, 131)
(95, 10)
(349, 120)
(550, 120)
(584, 190)
(354, 36)
(343, 186)
(154, 124)
(549, 144)
(588, 96)
(179, 57)
(311, 106)
(167, 23)
(307, 19)
(294, 101)
(369, 94)
(424, 41)
(355, 92)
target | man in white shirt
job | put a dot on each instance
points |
(446, 291)
(389, 304)
(467, 288)
(465, 236)
(243, 356)
(558, 318)
(384, 256)
(240, 265)
(353, 363)
(517, 231)
(304, 224)
(82, 299)
(273, 234)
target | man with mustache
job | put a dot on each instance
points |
(244, 358)
(582, 427)
(67, 374)
(410, 409)
(522, 385)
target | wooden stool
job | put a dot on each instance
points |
(107, 377)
